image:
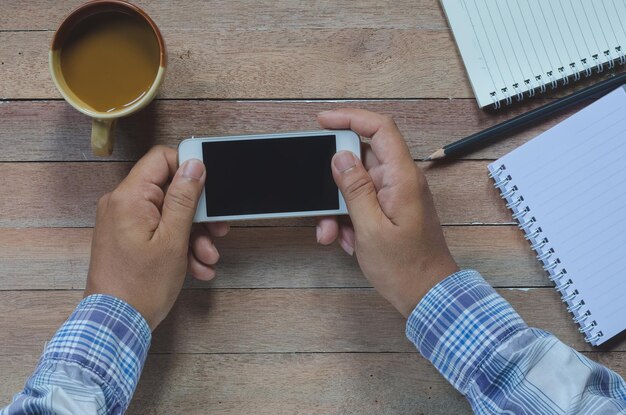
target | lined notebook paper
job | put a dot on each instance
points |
(567, 190)
(515, 48)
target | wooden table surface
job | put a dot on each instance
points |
(288, 326)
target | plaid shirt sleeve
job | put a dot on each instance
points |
(486, 351)
(91, 365)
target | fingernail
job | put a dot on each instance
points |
(324, 112)
(318, 233)
(346, 247)
(193, 169)
(344, 161)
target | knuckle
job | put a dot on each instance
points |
(204, 249)
(103, 201)
(210, 274)
(360, 187)
(178, 198)
(389, 122)
(165, 149)
(159, 148)
(116, 197)
(158, 151)
(152, 193)
(213, 255)
(209, 258)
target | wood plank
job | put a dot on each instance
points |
(301, 383)
(226, 15)
(335, 383)
(311, 320)
(289, 63)
(54, 131)
(55, 194)
(360, 383)
(272, 321)
(65, 194)
(58, 258)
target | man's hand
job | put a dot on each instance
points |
(393, 228)
(141, 244)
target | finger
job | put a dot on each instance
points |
(347, 239)
(387, 141)
(357, 189)
(327, 230)
(157, 166)
(181, 200)
(198, 269)
(368, 158)
(204, 249)
(373, 166)
(216, 229)
(367, 155)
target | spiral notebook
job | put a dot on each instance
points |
(515, 48)
(567, 190)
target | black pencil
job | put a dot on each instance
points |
(481, 138)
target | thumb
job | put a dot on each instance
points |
(357, 189)
(181, 199)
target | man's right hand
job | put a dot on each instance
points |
(393, 229)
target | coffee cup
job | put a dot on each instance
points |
(108, 60)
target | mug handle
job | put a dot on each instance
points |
(102, 135)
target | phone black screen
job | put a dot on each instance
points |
(270, 175)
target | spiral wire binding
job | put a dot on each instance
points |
(545, 253)
(576, 68)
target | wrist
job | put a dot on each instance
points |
(121, 295)
(417, 285)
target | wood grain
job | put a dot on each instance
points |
(65, 194)
(288, 327)
(299, 383)
(55, 194)
(272, 320)
(224, 15)
(289, 63)
(331, 383)
(276, 257)
(302, 383)
(54, 131)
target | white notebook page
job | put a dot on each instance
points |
(513, 48)
(573, 179)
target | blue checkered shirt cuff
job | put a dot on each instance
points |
(459, 323)
(108, 337)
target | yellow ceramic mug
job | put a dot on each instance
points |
(107, 59)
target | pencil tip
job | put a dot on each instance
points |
(439, 154)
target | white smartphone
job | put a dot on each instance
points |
(269, 175)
